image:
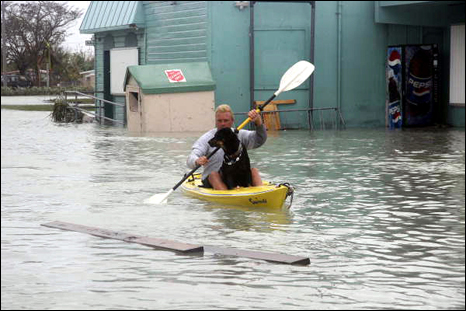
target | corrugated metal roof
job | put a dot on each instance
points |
(112, 15)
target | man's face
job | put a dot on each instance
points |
(223, 120)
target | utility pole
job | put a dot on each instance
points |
(3, 45)
(48, 63)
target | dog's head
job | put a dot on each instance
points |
(225, 139)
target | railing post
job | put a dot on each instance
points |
(100, 112)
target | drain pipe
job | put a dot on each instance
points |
(339, 57)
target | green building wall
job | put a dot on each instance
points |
(349, 51)
(350, 62)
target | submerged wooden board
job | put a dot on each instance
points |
(178, 246)
(272, 257)
(157, 243)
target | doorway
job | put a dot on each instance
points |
(281, 34)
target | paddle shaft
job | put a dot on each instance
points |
(193, 170)
(216, 149)
(261, 107)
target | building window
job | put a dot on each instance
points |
(131, 40)
(133, 102)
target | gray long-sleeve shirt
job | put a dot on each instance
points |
(251, 139)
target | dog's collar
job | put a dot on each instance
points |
(232, 159)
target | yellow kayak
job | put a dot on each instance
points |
(268, 195)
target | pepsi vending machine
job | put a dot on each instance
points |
(412, 85)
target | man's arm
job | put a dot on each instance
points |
(254, 139)
(199, 150)
(196, 153)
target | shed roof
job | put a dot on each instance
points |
(112, 15)
(153, 79)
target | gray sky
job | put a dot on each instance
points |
(75, 40)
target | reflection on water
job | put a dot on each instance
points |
(379, 213)
(250, 218)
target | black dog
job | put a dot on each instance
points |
(236, 168)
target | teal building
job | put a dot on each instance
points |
(250, 44)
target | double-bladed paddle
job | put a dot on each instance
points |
(293, 77)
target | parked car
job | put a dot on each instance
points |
(15, 81)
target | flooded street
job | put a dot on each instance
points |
(380, 214)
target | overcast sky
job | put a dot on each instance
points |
(74, 40)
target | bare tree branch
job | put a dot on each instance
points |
(32, 28)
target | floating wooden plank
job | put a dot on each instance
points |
(178, 246)
(157, 243)
(272, 257)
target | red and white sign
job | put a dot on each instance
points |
(175, 75)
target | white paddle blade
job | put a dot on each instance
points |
(160, 198)
(295, 76)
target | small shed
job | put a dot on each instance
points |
(88, 78)
(170, 97)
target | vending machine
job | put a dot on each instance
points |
(411, 85)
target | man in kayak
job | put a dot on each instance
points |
(224, 118)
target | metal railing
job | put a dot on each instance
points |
(98, 106)
(338, 121)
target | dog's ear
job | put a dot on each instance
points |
(214, 142)
(236, 131)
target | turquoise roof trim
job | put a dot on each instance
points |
(112, 15)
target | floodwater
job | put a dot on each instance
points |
(28, 100)
(379, 213)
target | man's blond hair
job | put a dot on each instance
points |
(224, 108)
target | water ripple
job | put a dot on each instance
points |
(380, 214)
